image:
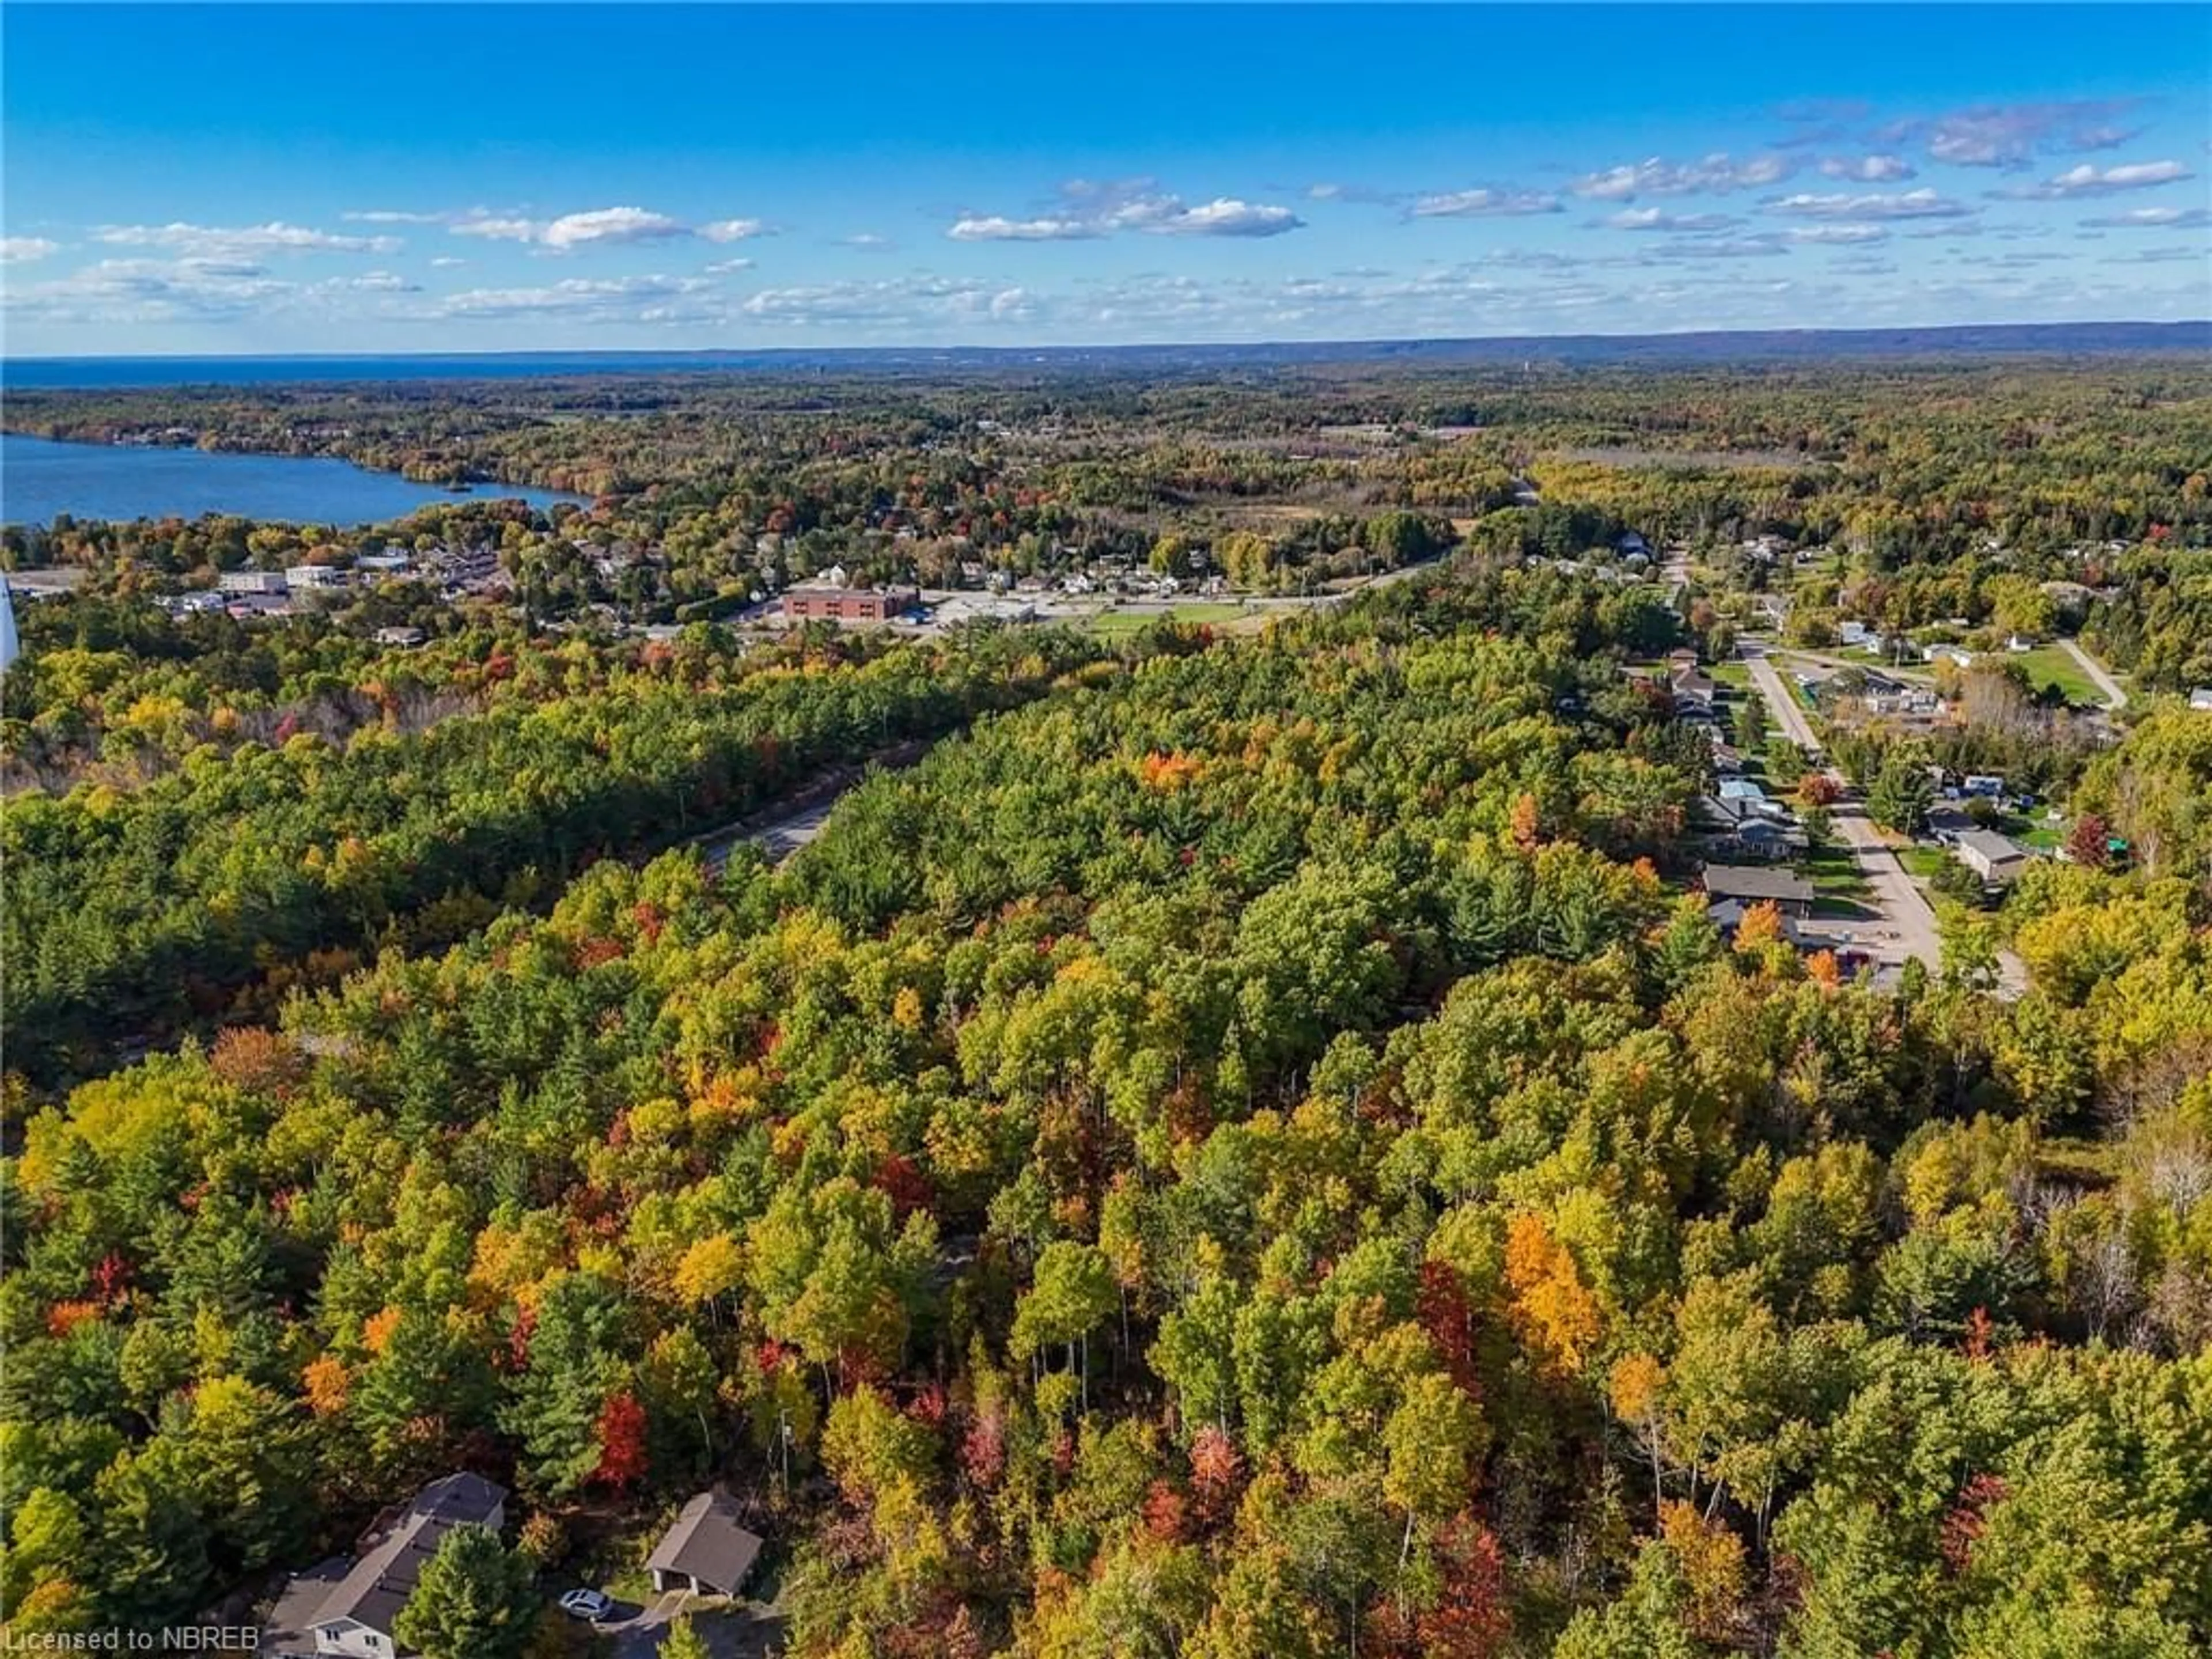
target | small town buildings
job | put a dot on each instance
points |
(1989, 785)
(849, 604)
(705, 1550)
(405, 638)
(1748, 884)
(383, 564)
(346, 1605)
(302, 578)
(1958, 655)
(1997, 860)
(252, 582)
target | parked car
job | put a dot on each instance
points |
(588, 1604)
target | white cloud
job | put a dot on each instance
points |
(2156, 218)
(1838, 234)
(725, 267)
(995, 228)
(2012, 135)
(22, 250)
(1868, 169)
(1482, 205)
(1660, 219)
(1089, 207)
(498, 229)
(2087, 180)
(867, 242)
(893, 303)
(613, 299)
(1224, 216)
(1760, 246)
(1656, 177)
(374, 281)
(614, 224)
(212, 242)
(1910, 205)
(609, 226)
(448, 262)
(393, 216)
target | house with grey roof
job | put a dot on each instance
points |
(705, 1549)
(1997, 860)
(348, 1605)
(1749, 885)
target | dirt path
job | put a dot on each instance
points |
(788, 826)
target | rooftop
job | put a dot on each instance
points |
(1755, 882)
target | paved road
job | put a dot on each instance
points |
(1904, 925)
(2115, 698)
(1781, 700)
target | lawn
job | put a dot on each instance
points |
(1731, 673)
(1113, 622)
(1922, 862)
(1838, 881)
(2048, 665)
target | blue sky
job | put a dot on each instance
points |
(309, 179)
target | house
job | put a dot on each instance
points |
(1987, 784)
(849, 604)
(1764, 839)
(1956, 654)
(2017, 645)
(301, 577)
(1997, 860)
(1693, 689)
(2200, 699)
(1632, 545)
(1785, 890)
(405, 638)
(1743, 798)
(357, 1599)
(1853, 632)
(705, 1549)
(251, 582)
(383, 564)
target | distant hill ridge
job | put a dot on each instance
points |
(1715, 347)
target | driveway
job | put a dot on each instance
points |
(2115, 698)
(1904, 924)
(730, 1630)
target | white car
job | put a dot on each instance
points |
(590, 1604)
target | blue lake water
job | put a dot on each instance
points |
(39, 479)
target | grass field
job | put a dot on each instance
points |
(2048, 665)
(1132, 622)
(1922, 862)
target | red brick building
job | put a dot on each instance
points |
(849, 604)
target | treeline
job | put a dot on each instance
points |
(1239, 1159)
(130, 910)
(713, 485)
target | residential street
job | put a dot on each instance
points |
(1905, 923)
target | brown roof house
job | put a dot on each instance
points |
(347, 1607)
(705, 1549)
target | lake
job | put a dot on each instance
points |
(39, 479)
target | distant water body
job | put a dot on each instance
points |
(40, 479)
